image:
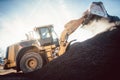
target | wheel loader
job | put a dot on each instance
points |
(42, 44)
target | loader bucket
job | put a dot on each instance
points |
(97, 8)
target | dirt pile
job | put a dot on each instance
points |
(95, 59)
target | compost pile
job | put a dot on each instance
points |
(95, 59)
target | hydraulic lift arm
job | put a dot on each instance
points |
(96, 8)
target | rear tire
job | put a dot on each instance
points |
(30, 61)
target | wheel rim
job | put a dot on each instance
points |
(31, 63)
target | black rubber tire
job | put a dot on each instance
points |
(30, 61)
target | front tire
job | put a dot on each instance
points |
(30, 61)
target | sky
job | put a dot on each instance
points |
(17, 17)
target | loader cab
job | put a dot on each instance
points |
(47, 35)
